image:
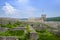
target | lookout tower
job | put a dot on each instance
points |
(43, 17)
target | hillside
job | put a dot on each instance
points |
(53, 19)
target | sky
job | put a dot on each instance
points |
(29, 8)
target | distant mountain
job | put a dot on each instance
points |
(47, 19)
(53, 19)
(24, 19)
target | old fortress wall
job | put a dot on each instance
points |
(40, 19)
(36, 25)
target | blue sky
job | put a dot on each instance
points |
(29, 8)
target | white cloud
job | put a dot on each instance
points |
(26, 10)
(8, 9)
(30, 11)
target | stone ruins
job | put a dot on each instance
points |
(35, 23)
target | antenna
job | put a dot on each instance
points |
(42, 11)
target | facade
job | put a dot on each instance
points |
(13, 20)
(42, 19)
(7, 20)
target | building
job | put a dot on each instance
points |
(42, 19)
(7, 20)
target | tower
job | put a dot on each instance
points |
(43, 17)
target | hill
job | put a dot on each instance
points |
(53, 19)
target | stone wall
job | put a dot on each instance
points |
(8, 38)
(33, 33)
(2, 29)
(52, 24)
(18, 28)
(33, 36)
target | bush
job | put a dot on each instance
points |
(12, 33)
(45, 35)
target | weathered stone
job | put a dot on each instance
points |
(33, 36)
(2, 29)
(10, 38)
(18, 28)
(1, 38)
